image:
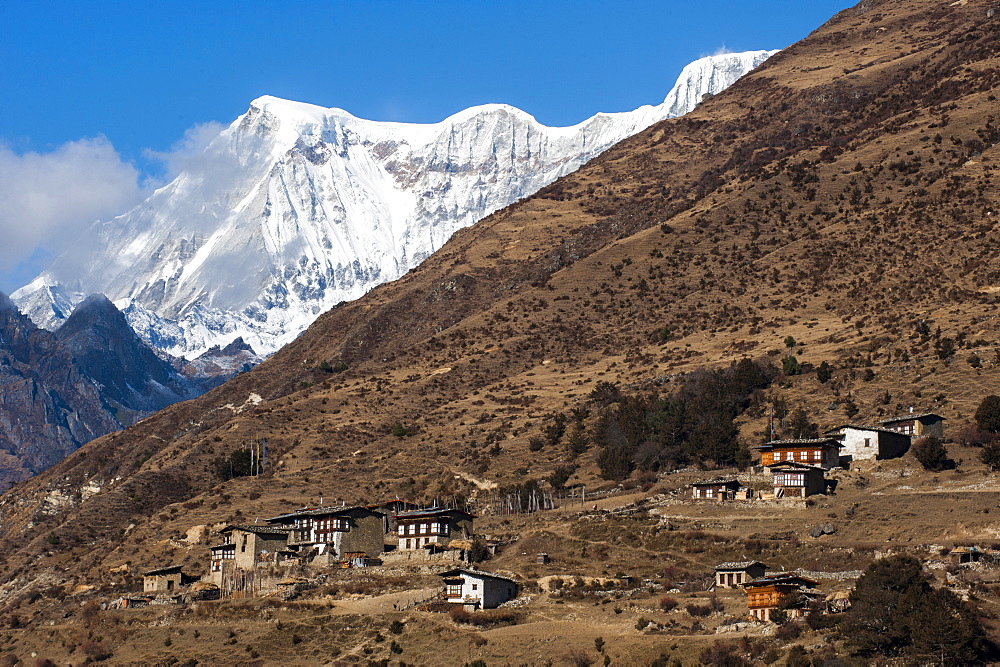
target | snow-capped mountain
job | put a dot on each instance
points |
(294, 208)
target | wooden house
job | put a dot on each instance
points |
(797, 480)
(715, 489)
(333, 531)
(431, 528)
(869, 443)
(166, 579)
(917, 425)
(823, 452)
(734, 575)
(767, 593)
(474, 589)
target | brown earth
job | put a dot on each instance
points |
(842, 194)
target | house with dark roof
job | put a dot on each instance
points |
(797, 480)
(715, 489)
(432, 528)
(389, 510)
(243, 546)
(333, 531)
(735, 574)
(869, 443)
(917, 425)
(768, 593)
(475, 589)
(822, 452)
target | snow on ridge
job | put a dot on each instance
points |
(296, 207)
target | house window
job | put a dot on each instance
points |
(803, 455)
(709, 492)
(868, 442)
(408, 545)
(475, 587)
(454, 590)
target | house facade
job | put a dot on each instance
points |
(869, 443)
(166, 579)
(715, 489)
(435, 527)
(822, 452)
(333, 531)
(477, 590)
(917, 425)
(766, 594)
(797, 480)
(734, 575)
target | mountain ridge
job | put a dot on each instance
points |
(325, 206)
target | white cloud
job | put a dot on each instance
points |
(188, 152)
(47, 199)
(722, 50)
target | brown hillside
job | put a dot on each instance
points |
(839, 194)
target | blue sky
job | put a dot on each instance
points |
(108, 91)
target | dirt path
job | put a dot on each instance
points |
(381, 604)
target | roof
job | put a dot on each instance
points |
(319, 511)
(794, 464)
(714, 482)
(780, 578)
(170, 569)
(906, 418)
(407, 503)
(739, 565)
(219, 547)
(431, 511)
(965, 550)
(863, 427)
(475, 573)
(792, 443)
(259, 529)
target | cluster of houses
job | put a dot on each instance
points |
(251, 557)
(798, 467)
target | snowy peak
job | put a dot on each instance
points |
(295, 207)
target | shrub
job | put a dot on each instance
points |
(988, 414)
(824, 372)
(697, 610)
(991, 455)
(668, 604)
(397, 627)
(399, 430)
(931, 454)
(95, 651)
(485, 619)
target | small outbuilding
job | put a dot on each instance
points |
(963, 555)
(715, 489)
(474, 589)
(166, 579)
(734, 575)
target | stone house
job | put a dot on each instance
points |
(735, 574)
(243, 547)
(917, 425)
(434, 527)
(822, 452)
(474, 589)
(869, 443)
(333, 531)
(797, 480)
(166, 579)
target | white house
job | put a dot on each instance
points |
(869, 443)
(478, 590)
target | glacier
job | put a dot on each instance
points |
(294, 208)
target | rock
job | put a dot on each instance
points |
(816, 531)
(828, 529)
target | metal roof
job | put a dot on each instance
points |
(254, 528)
(906, 418)
(319, 511)
(475, 573)
(739, 565)
(432, 511)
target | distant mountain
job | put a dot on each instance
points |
(294, 208)
(59, 390)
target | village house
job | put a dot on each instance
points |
(869, 443)
(431, 528)
(768, 593)
(734, 575)
(243, 547)
(166, 579)
(389, 510)
(963, 555)
(335, 532)
(797, 480)
(715, 489)
(917, 425)
(823, 452)
(477, 590)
